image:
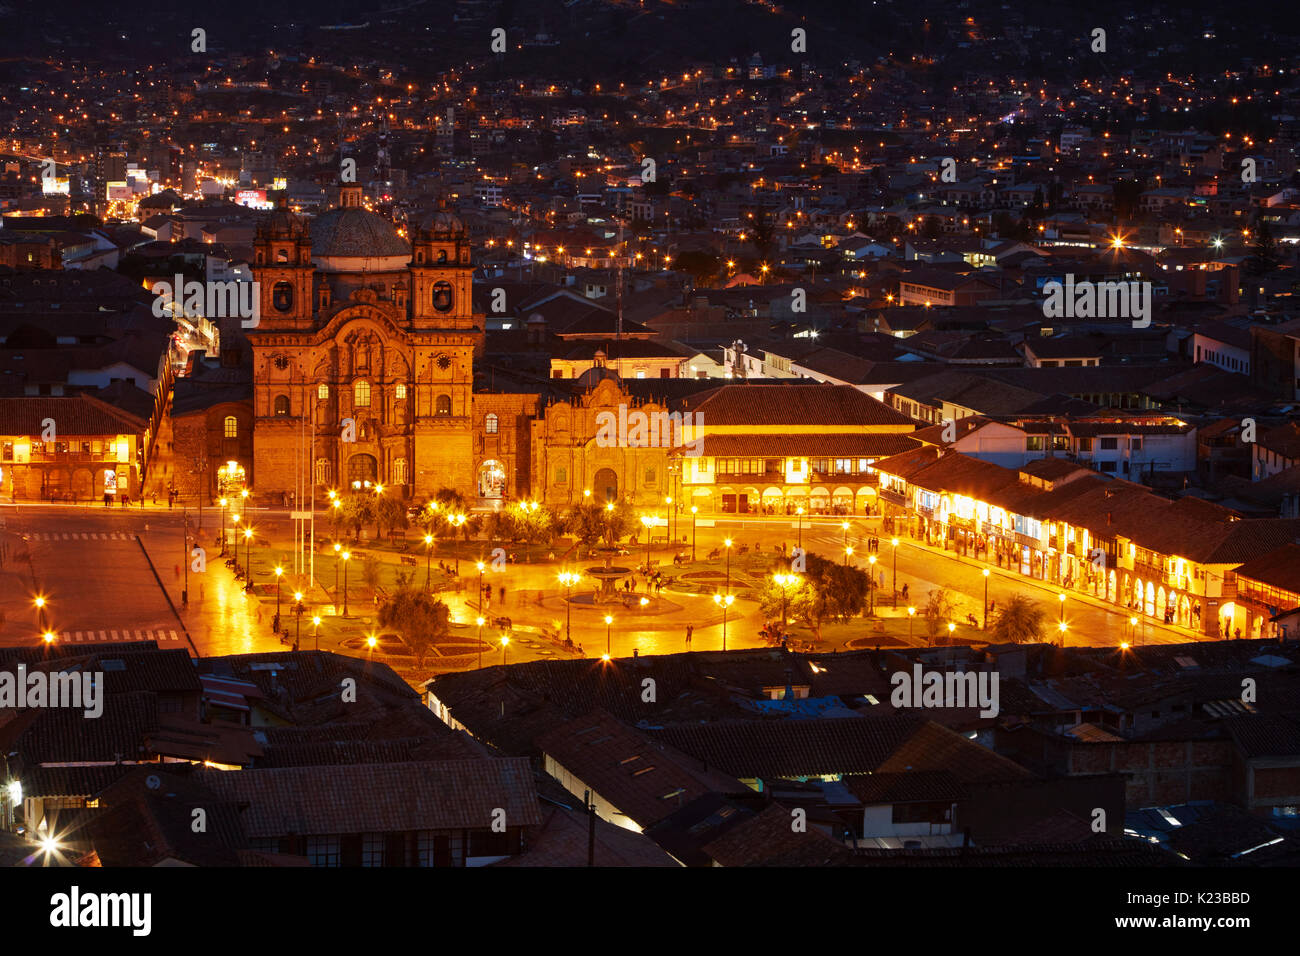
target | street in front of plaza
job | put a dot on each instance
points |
(120, 574)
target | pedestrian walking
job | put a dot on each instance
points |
(690, 632)
(503, 595)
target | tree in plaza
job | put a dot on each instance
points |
(357, 511)
(1018, 621)
(420, 618)
(590, 521)
(391, 514)
(527, 521)
(371, 572)
(940, 606)
(828, 590)
(797, 600)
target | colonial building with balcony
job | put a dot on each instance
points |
(70, 449)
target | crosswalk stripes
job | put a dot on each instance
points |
(81, 536)
(108, 637)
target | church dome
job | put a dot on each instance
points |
(355, 233)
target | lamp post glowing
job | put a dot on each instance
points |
(647, 521)
(799, 543)
(985, 572)
(694, 512)
(1062, 629)
(845, 526)
(727, 544)
(480, 642)
(871, 590)
(609, 622)
(568, 580)
(1061, 598)
(505, 643)
(40, 612)
(428, 558)
(278, 572)
(725, 604)
(248, 557)
(315, 623)
(785, 580)
(457, 520)
(480, 584)
(234, 533)
(951, 627)
(893, 602)
(346, 556)
(224, 502)
(298, 609)
(911, 616)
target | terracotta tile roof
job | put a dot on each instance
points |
(767, 839)
(794, 445)
(74, 417)
(841, 405)
(561, 840)
(794, 748)
(912, 786)
(1279, 568)
(936, 748)
(384, 797)
(63, 735)
(642, 777)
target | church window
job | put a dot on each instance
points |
(443, 405)
(399, 392)
(649, 476)
(281, 255)
(322, 391)
(231, 427)
(323, 472)
(561, 475)
(282, 405)
(399, 471)
(281, 362)
(490, 424)
(361, 394)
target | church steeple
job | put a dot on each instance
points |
(350, 196)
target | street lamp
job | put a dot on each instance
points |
(694, 512)
(457, 520)
(985, 572)
(725, 604)
(234, 530)
(1062, 629)
(40, 611)
(845, 526)
(911, 616)
(428, 558)
(248, 556)
(346, 556)
(609, 621)
(298, 610)
(727, 543)
(505, 643)
(315, 623)
(224, 502)
(647, 521)
(871, 590)
(951, 627)
(568, 580)
(278, 572)
(799, 511)
(848, 553)
(668, 518)
(1061, 597)
(893, 602)
(784, 580)
(480, 584)
(480, 642)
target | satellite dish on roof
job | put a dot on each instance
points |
(153, 782)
